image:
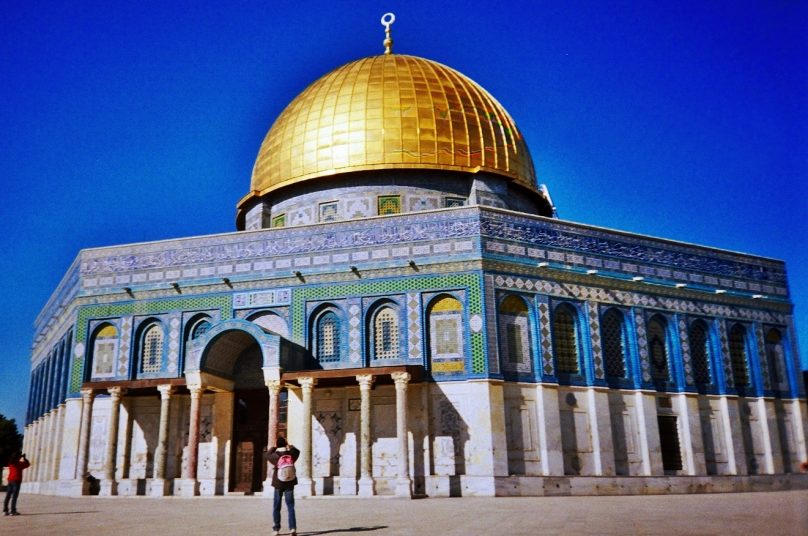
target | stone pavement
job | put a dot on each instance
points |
(764, 513)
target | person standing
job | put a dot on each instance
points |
(282, 457)
(16, 466)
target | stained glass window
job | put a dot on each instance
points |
(389, 204)
(328, 342)
(151, 354)
(385, 328)
(658, 348)
(565, 340)
(737, 354)
(613, 352)
(449, 202)
(279, 220)
(328, 211)
(699, 353)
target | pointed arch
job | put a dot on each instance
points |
(775, 358)
(515, 351)
(699, 344)
(613, 335)
(738, 355)
(151, 347)
(659, 349)
(566, 339)
(445, 334)
(104, 345)
(384, 332)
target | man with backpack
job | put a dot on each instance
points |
(284, 479)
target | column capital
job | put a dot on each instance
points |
(273, 386)
(165, 390)
(307, 383)
(401, 378)
(365, 381)
(87, 394)
(195, 390)
(116, 392)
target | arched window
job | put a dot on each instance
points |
(565, 340)
(385, 334)
(514, 335)
(151, 349)
(737, 355)
(446, 335)
(199, 329)
(776, 360)
(328, 337)
(700, 352)
(658, 348)
(105, 351)
(614, 352)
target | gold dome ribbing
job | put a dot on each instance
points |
(390, 112)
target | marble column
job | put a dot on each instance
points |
(305, 482)
(366, 487)
(159, 484)
(109, 486)
(403, 482)
(190, 485)
(274, 388)
(87, 398)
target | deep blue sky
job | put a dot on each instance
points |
(133, 121)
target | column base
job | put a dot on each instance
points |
(130, 487)
(305, 487)
(159, 487)
(403, 487)
(367, 488)
(108, 488)
(186, 487)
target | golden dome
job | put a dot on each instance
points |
(390, 112)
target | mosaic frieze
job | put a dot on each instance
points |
(620, 297)
(556, 235)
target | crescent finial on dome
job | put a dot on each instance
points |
(387, 20)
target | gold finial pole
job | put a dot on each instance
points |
(387, 20)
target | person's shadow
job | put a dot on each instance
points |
(338, 531)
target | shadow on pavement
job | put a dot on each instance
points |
(61, 513)
(338, 531)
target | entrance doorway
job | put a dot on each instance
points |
(669, 443)
(250, 418)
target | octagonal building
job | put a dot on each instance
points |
(402, 303)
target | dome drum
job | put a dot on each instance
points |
(364, 194)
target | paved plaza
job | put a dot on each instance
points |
(775, 513)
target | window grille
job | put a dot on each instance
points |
(279, 221)
(386, 334)
(328, 343)
(328, 212)
(658, 348)
(699, 353)
(565, 341)
(389, 204)
(613, 352)
(737, 354)
(152, 351)
(776, 360)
